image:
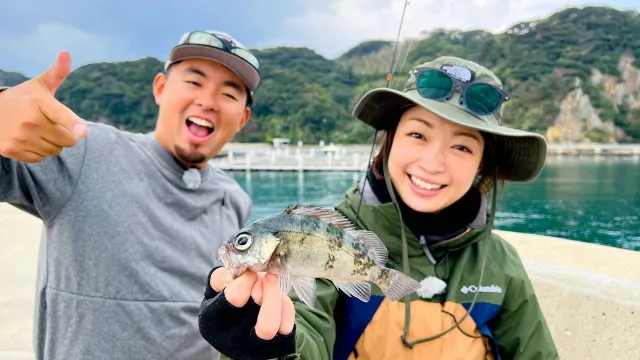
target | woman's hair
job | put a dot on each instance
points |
(484, 180)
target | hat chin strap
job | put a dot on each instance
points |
(405, 258)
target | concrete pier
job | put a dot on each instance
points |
(590, 294)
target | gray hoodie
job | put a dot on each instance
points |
(128, 246)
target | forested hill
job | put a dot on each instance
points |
(11, 78)
(572, 76)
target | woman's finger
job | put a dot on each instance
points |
(239, 290)
(288, 316)
(270, 314)
(256, 292)
(220, 278)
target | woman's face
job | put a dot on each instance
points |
(433, 162)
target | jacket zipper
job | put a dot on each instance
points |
(444, 242)
(428, 251)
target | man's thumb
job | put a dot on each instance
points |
(57, 73)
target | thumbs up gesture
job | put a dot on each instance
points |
(33, 124)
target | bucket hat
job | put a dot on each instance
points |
(520, 154)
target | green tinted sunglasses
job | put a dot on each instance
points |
(219, 41)
(478, 97)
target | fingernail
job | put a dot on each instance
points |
(77, 130)
(272, 277)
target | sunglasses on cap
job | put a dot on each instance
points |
(478, 97)
(220, 41)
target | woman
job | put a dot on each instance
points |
(442, 152)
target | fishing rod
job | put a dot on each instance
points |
(389, 77)
(395, 48)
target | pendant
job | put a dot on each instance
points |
(192, 178)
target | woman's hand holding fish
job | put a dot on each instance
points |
(277, 314)
(248, 316)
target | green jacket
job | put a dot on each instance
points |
(505, 323)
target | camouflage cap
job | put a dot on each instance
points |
(520, 155)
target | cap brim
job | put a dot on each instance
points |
(522, 154)
(245, 71)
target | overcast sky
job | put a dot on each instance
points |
(33, 31)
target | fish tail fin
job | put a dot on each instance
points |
(398, 284)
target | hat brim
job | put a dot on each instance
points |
(245, 71)
(522, 154)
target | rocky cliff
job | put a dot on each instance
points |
(578, 119)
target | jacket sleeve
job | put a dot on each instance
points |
(521, 330)
(42, 189)
(316, 328)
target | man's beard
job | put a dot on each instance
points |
(190, 158)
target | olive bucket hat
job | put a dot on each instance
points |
(464, 93)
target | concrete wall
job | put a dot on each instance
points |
(590, 294)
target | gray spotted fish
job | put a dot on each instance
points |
(302, 244)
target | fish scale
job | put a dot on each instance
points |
(302, 244)
(303, 259)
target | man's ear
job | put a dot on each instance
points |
(245, 119)
(158, 86)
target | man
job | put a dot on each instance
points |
(133, 221)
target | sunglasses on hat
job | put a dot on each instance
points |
(478, 97)
(219, 41)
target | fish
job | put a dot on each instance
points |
(305, 243)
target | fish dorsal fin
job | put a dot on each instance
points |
(328, 215)
(374, 245)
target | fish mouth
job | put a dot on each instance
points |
(225, 258)
(236, 271)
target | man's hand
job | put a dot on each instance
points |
(33, 124)
(248, 318)
(277, 313)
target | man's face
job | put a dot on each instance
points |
(202, 105)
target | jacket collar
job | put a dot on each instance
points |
(447, 224)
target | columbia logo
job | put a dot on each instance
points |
(485, 289)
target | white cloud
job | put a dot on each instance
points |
(345, 23)
(40, 46)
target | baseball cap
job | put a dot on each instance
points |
(219, 47)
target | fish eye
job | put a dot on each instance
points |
(243, 242)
